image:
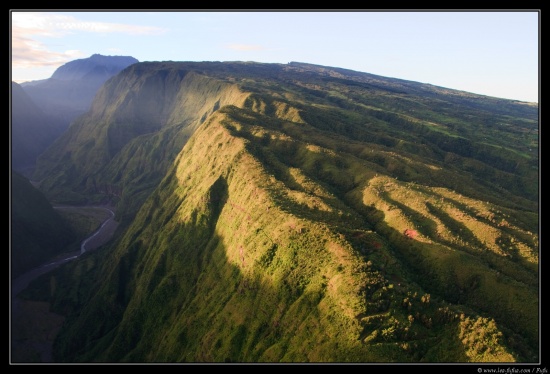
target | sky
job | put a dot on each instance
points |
(494, 53)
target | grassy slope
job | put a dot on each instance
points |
(230, 260)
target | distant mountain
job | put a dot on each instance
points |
(38, 232)
(96, 67)
(72, 87)
(299, 213)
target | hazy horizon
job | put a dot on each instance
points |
(493, 53)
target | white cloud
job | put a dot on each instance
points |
(27, 27)
(29, 53)
(49, 24)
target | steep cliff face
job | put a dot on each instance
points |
(138, 123)
(269, 212)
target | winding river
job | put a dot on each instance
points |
(103, 234)
(36, 336)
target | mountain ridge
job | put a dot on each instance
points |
(264, 217)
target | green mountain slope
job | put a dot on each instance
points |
(314, 214)
(125, 144)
